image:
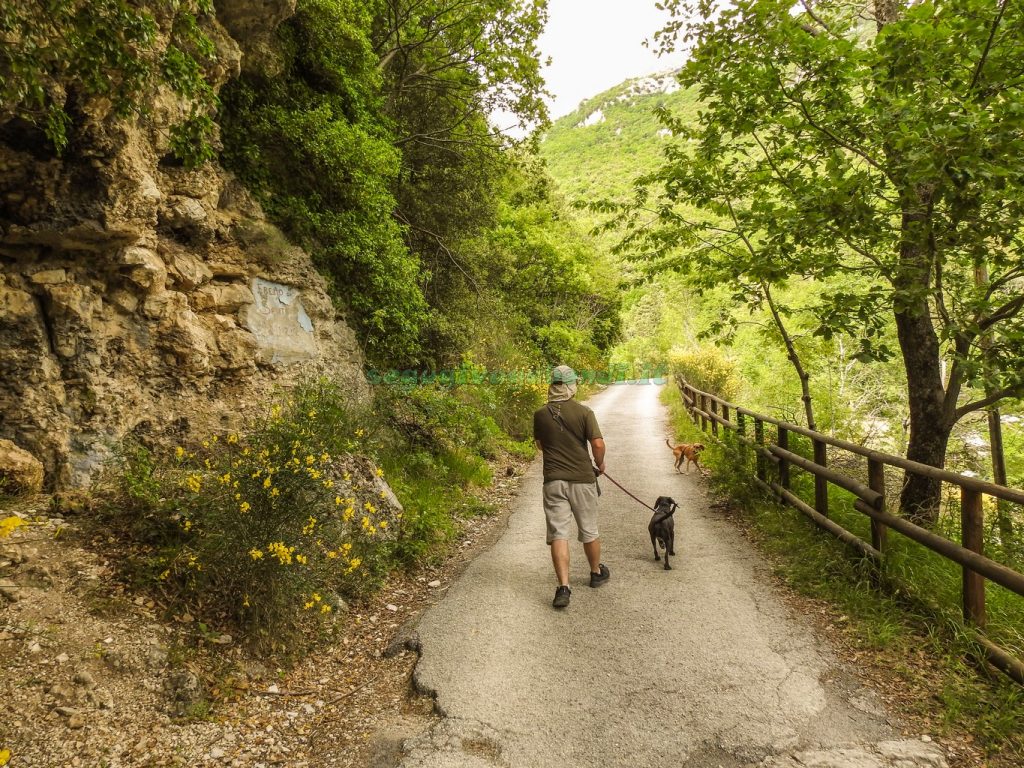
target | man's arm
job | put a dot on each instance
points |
(597, 448)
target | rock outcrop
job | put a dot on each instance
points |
(20, 471)
(138, 295)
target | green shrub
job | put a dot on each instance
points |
(264, 527)
(707, 369)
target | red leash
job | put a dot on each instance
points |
(634, 498)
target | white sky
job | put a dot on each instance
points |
(596, 44)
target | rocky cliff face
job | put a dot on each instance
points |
(139, 296)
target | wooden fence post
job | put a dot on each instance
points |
(703, 409)
(783, 464)
(725, 412)
(820, 483)
(741, 423)
(714, 422)
(762, 473)
(972, 523)
(876, 480)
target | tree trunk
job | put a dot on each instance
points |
(931, 420)
(794, 358)
(1004, 517)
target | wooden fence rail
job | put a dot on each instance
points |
(776, 458)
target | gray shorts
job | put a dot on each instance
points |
(564, 501)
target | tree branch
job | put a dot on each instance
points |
(992, 398)
(988, 46)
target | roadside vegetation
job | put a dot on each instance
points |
(903, 623)
(266, 532)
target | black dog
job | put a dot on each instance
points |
(663, 528)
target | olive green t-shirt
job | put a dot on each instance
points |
(566, 454)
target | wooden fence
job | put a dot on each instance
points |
(713, 413)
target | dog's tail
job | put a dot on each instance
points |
(669, 444)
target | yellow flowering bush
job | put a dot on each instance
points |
(260, 525)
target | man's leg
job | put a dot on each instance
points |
(593, 551)
(560, 559)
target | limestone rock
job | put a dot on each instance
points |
(188, 271)
(20, 471)
(137, 294)
(222, 297)
(144, 268)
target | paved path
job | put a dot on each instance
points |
(700, 666)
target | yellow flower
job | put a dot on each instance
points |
(331, 555)
(328, 484)
(194, 483)
(325, 457)
(245, 602)
(360, 432)
(380, 472)
(308, 527)
(5, 756)
(300, 559)
(325, 608)
(225, 478)
(348, 514)
(281, 552)
(310, 459)
(383, 524)
(346, 547)
(275, 411)
(179, 453)
(232, 438)
(206, 443)
(244, 507)
(256, 554)
(275, 492)
(369, 507)
(9, 525)
(163, 576)
(354, 563)
(267, 483)
(337, 501)
(187, 525)
(306, 606)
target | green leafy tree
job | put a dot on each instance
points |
(882, 145)
(308, 134)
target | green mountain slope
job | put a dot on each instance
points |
(597, 151)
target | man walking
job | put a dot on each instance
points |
(562, 429)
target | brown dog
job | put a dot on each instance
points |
(688, 452)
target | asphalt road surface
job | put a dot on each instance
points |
(700, 666)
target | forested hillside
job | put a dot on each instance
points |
(366, 135)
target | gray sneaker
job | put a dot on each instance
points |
(561, 597)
